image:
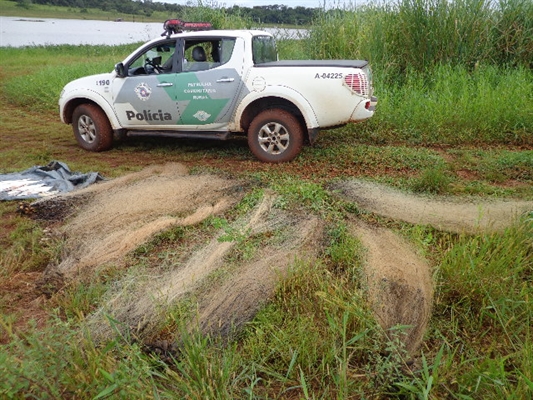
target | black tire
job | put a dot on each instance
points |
(91, 128)
(275, 136)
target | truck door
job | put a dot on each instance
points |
(208, 84)
(144, 99)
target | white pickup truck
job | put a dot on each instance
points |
(214, 84)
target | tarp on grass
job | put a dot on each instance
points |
(42, 181)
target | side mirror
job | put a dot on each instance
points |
(120, 70)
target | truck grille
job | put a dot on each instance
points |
(358, 82)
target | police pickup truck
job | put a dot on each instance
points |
(214, 84)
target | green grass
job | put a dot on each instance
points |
(58, 65)
(444, 72)
(60, 362)
(483, 306)
(28, 247)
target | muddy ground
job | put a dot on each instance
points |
(109, 220)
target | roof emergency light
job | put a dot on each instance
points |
(177, 26)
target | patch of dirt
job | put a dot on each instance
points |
(444, 214)
(20, 289)
(466, 174)
(399, 283)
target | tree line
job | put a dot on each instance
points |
(271, 14)
(276, 14)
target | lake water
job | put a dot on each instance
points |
(19, 32)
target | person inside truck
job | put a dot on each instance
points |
(156, 60)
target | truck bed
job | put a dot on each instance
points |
(314, 63)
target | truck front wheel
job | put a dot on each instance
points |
(91, 128)
(275, 136)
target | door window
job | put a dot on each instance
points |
(158, 59)
(202, 55)
(264, 49)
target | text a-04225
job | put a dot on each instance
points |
(328, 75)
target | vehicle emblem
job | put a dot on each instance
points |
(143, 91)
(201, 116)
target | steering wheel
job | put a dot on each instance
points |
(155, 67)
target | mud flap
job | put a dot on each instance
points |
(312, 135)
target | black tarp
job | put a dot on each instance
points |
(41, 181)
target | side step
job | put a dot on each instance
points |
(183, 134)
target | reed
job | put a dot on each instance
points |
(420, 34)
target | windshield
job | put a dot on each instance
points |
(264, 49)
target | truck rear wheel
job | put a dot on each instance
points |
(275, 136)
(91, 128)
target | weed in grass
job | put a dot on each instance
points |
(79, 299)
(422, 385)
(201, 372)
(297, 193)
(170, 236)
(181, 314)
(231, 233)
(389, 364)
(249, 201)
(433, 180)
(345, 252)
(393, 158)
(246, 243)
(506, 165)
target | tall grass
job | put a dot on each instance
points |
(444, 71)
(218, 16)
(452, 105)
(41, 90)
(513, 33)
(420, 34)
